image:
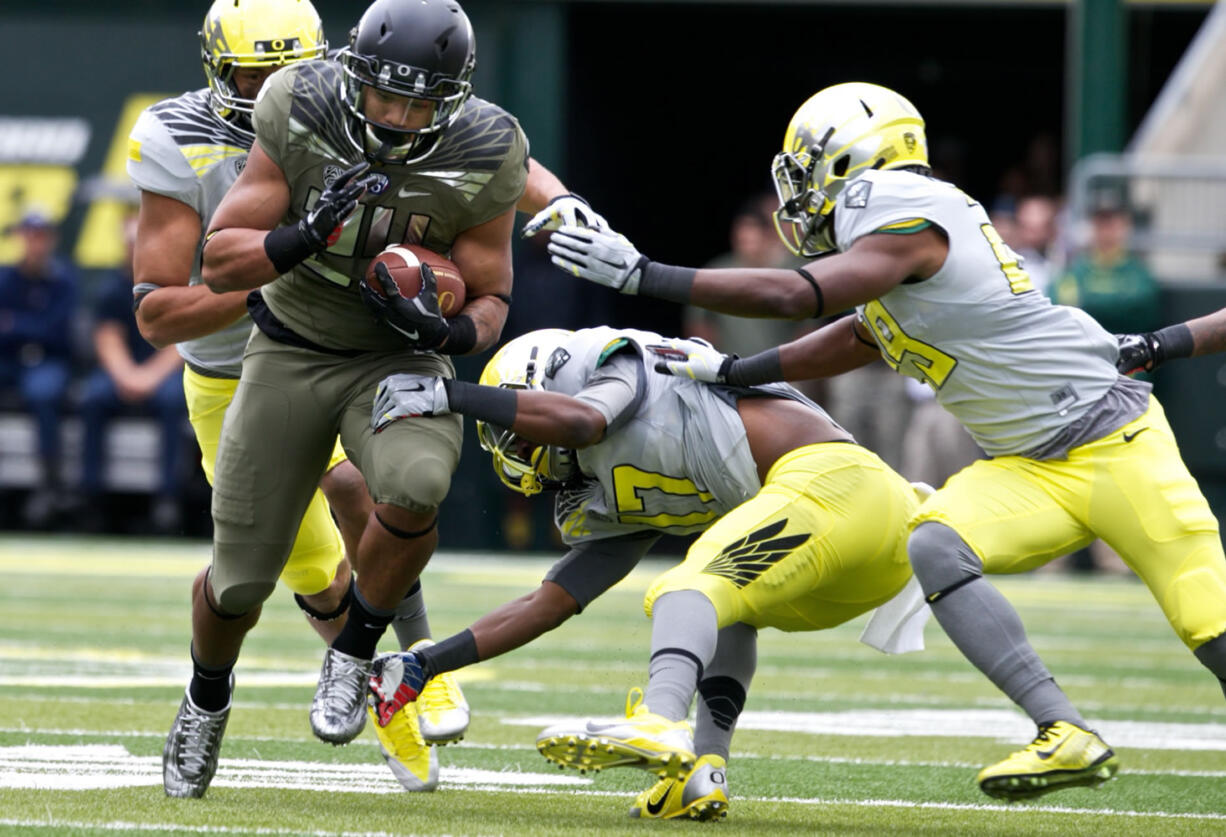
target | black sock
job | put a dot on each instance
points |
(453, 652)
(363, 628)
(210, 687)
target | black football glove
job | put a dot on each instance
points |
(1139, 352)
(419, 318)
(333, 207)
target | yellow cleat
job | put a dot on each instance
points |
(701, 795)
(442, 711)
(413, 762)
(642, 739)
(1062, 755)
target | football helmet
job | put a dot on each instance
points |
(835, 136)
(422, 50)
(252, 34)
(524, 466)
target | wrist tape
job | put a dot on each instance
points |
(762, 368)
(286, 247)
(1172, 342)
(495, 405)
(663, 281)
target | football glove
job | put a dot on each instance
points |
(1139, 352)
(570, 210)
(418, 319)
(322, 225)
(605, 258)
(695, 359)
(396, 679)
(407, 396)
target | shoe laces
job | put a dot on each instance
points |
(346, 681)
(440, 694)
(199, 735)
(634, 702)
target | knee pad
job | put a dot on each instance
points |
(242, 597)
(941, 560)
(417, 486)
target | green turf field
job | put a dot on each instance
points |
(836, 738)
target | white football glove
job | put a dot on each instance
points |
(407, 396)
(565, 210)
(606, 258)
(695, 359)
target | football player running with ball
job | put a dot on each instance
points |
(185, 154)
(1076, 450)
(802, 529)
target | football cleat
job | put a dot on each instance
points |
(442, 711)
(1062, 755)
(189, 759)
(701, 795)
(338, 710)
(642, 739)
(413, 762)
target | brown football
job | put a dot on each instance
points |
(404, 264)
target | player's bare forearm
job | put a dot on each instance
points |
(542, 187)
(235, 260)
(1208, 333)
(552, 418)
(831, 350)
(489, 315)
(519, 622)
(173, 314)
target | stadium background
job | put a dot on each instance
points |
(665, 115)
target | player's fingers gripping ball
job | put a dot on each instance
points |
(396, 679)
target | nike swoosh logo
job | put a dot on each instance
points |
(417, 388)
(1046, 754)
(591, 727)
(1128, 437)
(655, 806)
(410, 193)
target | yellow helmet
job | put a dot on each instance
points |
(255, 33)
(837, 135)
(524, 466)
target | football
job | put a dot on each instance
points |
(404, 264)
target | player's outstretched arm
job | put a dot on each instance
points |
(546, 418)
(552, 205)
(168, 309)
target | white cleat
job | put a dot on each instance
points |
(338, 711)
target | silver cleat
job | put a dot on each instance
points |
(189, 759)
(338, 711)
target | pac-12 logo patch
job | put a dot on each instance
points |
(857, 194)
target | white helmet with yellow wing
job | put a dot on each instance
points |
(254, 34)
(835, 136)
(525, 466)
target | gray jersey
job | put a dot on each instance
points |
(1014, 369)
(675, 456)
(180, 148)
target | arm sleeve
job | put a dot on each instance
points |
(591, 568)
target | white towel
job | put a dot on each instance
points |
(897, 626)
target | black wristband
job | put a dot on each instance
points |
(493, 404)
(449, 654)
(285, 247)
(762, 368)
(663, 281)
(461, 336)
(1172, 342)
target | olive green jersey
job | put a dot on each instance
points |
(476, 173)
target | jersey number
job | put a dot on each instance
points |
(636, 489)
(371, 225)
(906, 354)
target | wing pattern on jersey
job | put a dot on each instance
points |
(743, 561)
(191, 122)
(317, 112)
(478, 140)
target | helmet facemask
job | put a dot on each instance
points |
(257, 35)
(522, 465)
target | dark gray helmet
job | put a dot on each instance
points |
(418, 49)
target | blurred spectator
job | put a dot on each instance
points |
(753, 243)
(1107, 281)
(1034, 234)
(132, 377)
(935, 445)
(38, 298)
